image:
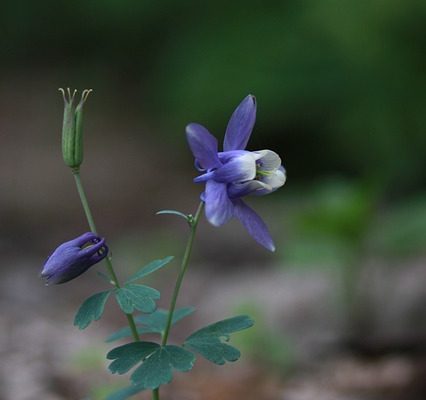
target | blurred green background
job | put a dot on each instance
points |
(341, 85)
(341, 91)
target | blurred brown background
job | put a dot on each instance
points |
(341, 90)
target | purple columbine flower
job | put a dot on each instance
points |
(73, 258)
(235, 172)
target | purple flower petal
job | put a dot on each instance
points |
(83, 239)
(225, 156)
(203, 146)
(204, 177)
(254, 224)
(219, 208)
(91, 250)
(238, 169)
(100, 255)
(240, 125)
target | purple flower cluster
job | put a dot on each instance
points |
(235, 172)
(73, 258)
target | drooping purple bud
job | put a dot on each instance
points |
(73, 258)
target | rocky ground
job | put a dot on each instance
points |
(44, 357)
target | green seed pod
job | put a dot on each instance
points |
(72, 128)
(68, 127)
(78, 141)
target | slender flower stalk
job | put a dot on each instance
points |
(184, 266)
(193, 223)
(108, 261)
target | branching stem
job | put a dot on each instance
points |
(193, 223)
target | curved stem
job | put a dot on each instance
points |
(193, 222)
(108, 261)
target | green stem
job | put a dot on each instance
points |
(193, 222)
(108, 261)
(156, 394)
(183, 268)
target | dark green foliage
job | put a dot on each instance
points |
(150, 268)
(139, 297)
(157, 369)
(91, 309)
(158, 362)
(208, 341)
(152, 323)
(127, 356)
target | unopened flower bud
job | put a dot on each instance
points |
(73, 258)
(72, 128)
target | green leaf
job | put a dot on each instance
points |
(152, 323)
(127, 356)
(91, 309)
(126, 332)
(139, 297)
(157, 369)
(157, 321)
(150, 268)
(126, 392)
(158, 362)
(208, 341)
(179, 314)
